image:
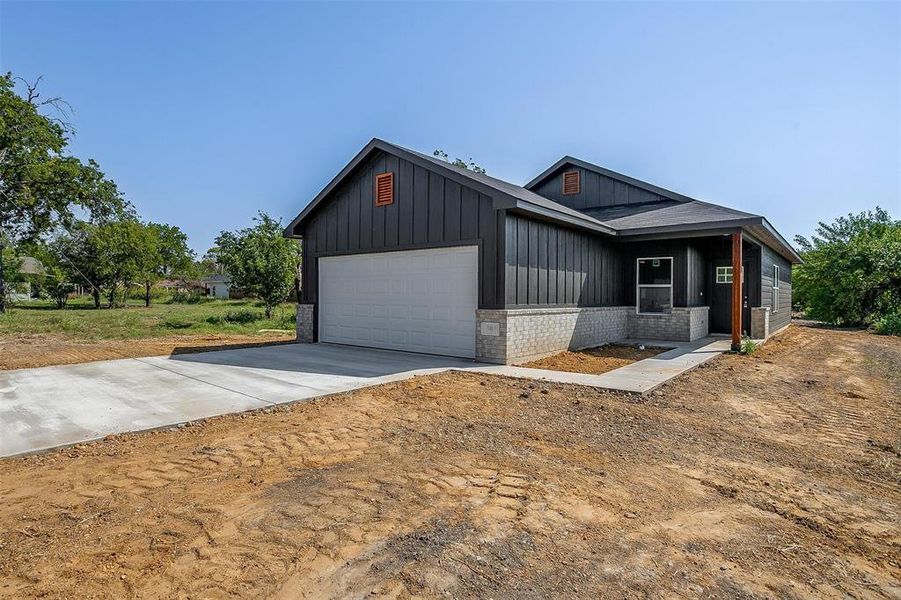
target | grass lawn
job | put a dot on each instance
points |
(80, 321)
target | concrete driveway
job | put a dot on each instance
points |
(54, 406)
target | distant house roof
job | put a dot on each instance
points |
(216, 278)
(31, 266)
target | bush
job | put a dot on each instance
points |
(748, 346)
(852, 270)
(182, 297)
(242, 317)
(889, 324)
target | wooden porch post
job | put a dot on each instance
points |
(736, 290)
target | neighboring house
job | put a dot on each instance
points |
(217, 286)
(404, 251)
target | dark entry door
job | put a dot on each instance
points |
(721, 298)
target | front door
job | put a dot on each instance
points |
(721, 298)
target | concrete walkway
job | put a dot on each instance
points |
(57, 406)
(639, 377)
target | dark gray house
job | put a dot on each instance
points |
(404, 251)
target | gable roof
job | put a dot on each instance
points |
(677, 213)
(505, 195)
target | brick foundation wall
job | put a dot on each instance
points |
(304, 323)
(760, 322)
(519, 335)
(681, 325)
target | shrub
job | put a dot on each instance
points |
(182, 297)
(748, 346)
(889, 324)
(242, 317)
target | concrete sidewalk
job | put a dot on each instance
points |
(639, 377)
(56, 406)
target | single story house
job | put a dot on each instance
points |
(217, 285)
(405, 251)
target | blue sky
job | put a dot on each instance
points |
(206, 112)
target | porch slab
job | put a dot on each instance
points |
(640, 377)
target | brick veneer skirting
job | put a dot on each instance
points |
(518, 335)
(683, 324)
(304, 323)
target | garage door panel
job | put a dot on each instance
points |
(417, 300)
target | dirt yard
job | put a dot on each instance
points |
(595, 360)
(40, 350)
(777, 475)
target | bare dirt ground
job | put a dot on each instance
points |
(41, 350)
(777, 475)
(595, 360)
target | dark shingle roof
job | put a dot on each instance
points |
(666, 214)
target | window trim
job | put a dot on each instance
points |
(775, 299)
(639, 285)
(730, 275)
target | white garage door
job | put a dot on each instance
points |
(413, 300)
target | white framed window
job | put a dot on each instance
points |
(775, 288)
(654, 285)
(724, 274)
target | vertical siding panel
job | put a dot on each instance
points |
(511, 247)
(533, 262)
(421, 209)
(405, 203)
(561, 266)
(366, 205)
(392, 211)
(452, 204)
(488, 263)
(378, 212)
(552, 265)
(331, 231)
(522, 261)
(353, 215)
(542, 263)
(342, 202)
(436, 207)
(469, 210)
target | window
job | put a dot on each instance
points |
(775, 288)
(384, 189)
(571, 183)
(724, 274)
(655, 285)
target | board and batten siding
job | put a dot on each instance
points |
(782, 316)
(596, 191)
(552, 265)
(429, 210)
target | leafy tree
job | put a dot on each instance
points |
(77, 252)
(459, 162)
(40, 186)
(852, 269)
(259, 260)
(169, 256)
(128, 253)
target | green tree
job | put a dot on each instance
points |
(128, 253)
(852, 269)
(77, 252)
(40, 186)
(168, 258)
(259, 260)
